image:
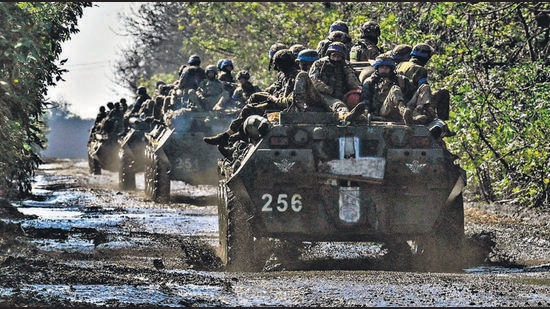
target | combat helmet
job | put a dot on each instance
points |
(338, 47)
(272, 50)
(370, 29)
(339, 36)
(307, 55)
(339, 25)
(283, 59)
(383, 59)
(401, 52)
(296, 48)
(225, 63)
(422, 50)
(141, 90)
(211, 68)
(243, 74)
(194, 60)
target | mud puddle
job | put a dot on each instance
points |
(108, 248)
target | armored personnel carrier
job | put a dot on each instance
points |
(176, 151)
(313, 177)
(132, 153)
(102, 152)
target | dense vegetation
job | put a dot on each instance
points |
(493, 57)
(30, 43)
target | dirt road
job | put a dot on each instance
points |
(81, 242)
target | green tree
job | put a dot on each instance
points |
(30, 41)
(493, 57)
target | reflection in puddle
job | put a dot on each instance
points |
(105, 295)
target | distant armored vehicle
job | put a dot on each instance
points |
(177, 152)
(102, 152)
(313, 177)
(132, 152)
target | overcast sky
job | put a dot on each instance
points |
(91, 55)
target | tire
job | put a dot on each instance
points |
(126, 173)
(237, 245)
(95, 167)
(442, 250)
(157, 181)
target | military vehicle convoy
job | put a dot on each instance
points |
(313, 177)
(177, 152)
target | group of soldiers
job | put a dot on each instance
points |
(357, 80)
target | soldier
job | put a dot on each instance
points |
(272, 50)
(226, 76)
(142, 96)
(366, 47)
(245, 89)
(259, 102)
(401, 53)
(383, 92)
(333, 77)
(306, 97)
(341, 36)
(188, 82)
(414, 69)
(210, 92)
(98, 118)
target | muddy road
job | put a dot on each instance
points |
(80, 242)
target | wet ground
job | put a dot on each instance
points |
(79, 241)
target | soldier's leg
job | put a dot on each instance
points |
(334, 104)
(195, 100)
(306, 96)
(423, 112)
(441, 102)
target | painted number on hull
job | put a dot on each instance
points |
(282, 202)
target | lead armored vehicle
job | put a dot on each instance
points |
(176, 151)
(314, 178)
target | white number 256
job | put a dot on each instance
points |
(282, 203)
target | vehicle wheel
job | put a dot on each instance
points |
(126, 173)
(443, 248)
(157, 181)
(95, 167)
(399, 256)
(237, 243)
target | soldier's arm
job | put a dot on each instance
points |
(314, 74)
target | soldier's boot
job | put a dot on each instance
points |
(421, 119)
(356, 112)
(227, 152)
(239, 136)
(220, 139)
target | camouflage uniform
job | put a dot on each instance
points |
(424, 112)
(260, 102)
(335, 36)
(244, 92)
(333, 79)
(366, 47)
(384, 96)
(209, 93)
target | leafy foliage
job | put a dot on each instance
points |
(493, 57)
(30, 41)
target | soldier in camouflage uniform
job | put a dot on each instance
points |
(226, 76)
(414, 69)
(366, 47)
(384, 92)
(188, 82)
(245, 90)
(260, 102)
(210, 91)
(338, 32)
(333, 77)
(401, 53)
